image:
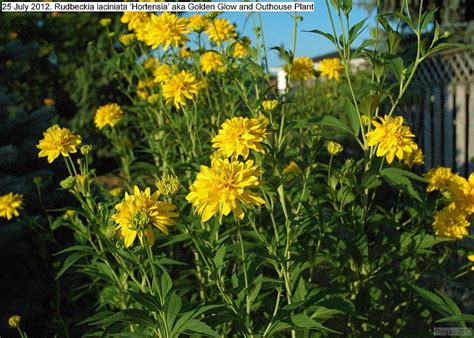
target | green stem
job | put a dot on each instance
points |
(244, 267)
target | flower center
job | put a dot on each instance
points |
(140, 220)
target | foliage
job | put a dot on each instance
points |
(299, 224)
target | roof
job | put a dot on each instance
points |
(331, 55)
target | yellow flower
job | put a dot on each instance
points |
(331, 68)
(270, 105)
(462, 192)
(198, 23)
(181, 87)
(162, 73)
(137, 213)
(137, 22)
(134, 19)
(225, 187)
(416, 157)
(154, 98)
(185, 52)
(334, 148)
(471, 258)
(49, 102)
(292, 168)
(151, 63)
(10, 204)
(240, 134)
(86, 149)
(212, 62)
(116, 192)
(126, 39)
(392, 137)
(301, 68)
(450, 222)
(69, 214)
(240, 50)
(58, 141)
(105, 22)
(108, 114)
(168, 185)
(438, 178)
(144, 87)
(166, 29)
(13, 35)
(220, 30)
(14, 321)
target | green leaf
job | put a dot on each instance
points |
(457, 318)
(355, 31)
(70, 260)
(426, 18)
(148, 301)
(304, 322)
(198, 326)
(81, 248)
(326, 35)
(369, 104)
(446, 46)
(352, 116)
(277, 326)
(130, 316)
(399, 178)
(396, 66)
(438, 301)
(219, 257)
(173, 308)
(166, 283)
(186, 316)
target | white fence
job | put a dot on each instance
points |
(440, 109)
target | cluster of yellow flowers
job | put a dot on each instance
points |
(225, 186)
(222, 188)
(302, 68)
(394, 139)
(453, 220)
(135, 214)
(168, 30)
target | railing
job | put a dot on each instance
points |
(440, 109)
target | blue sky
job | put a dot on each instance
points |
(277, 28)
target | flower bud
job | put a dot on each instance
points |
(14, 321)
